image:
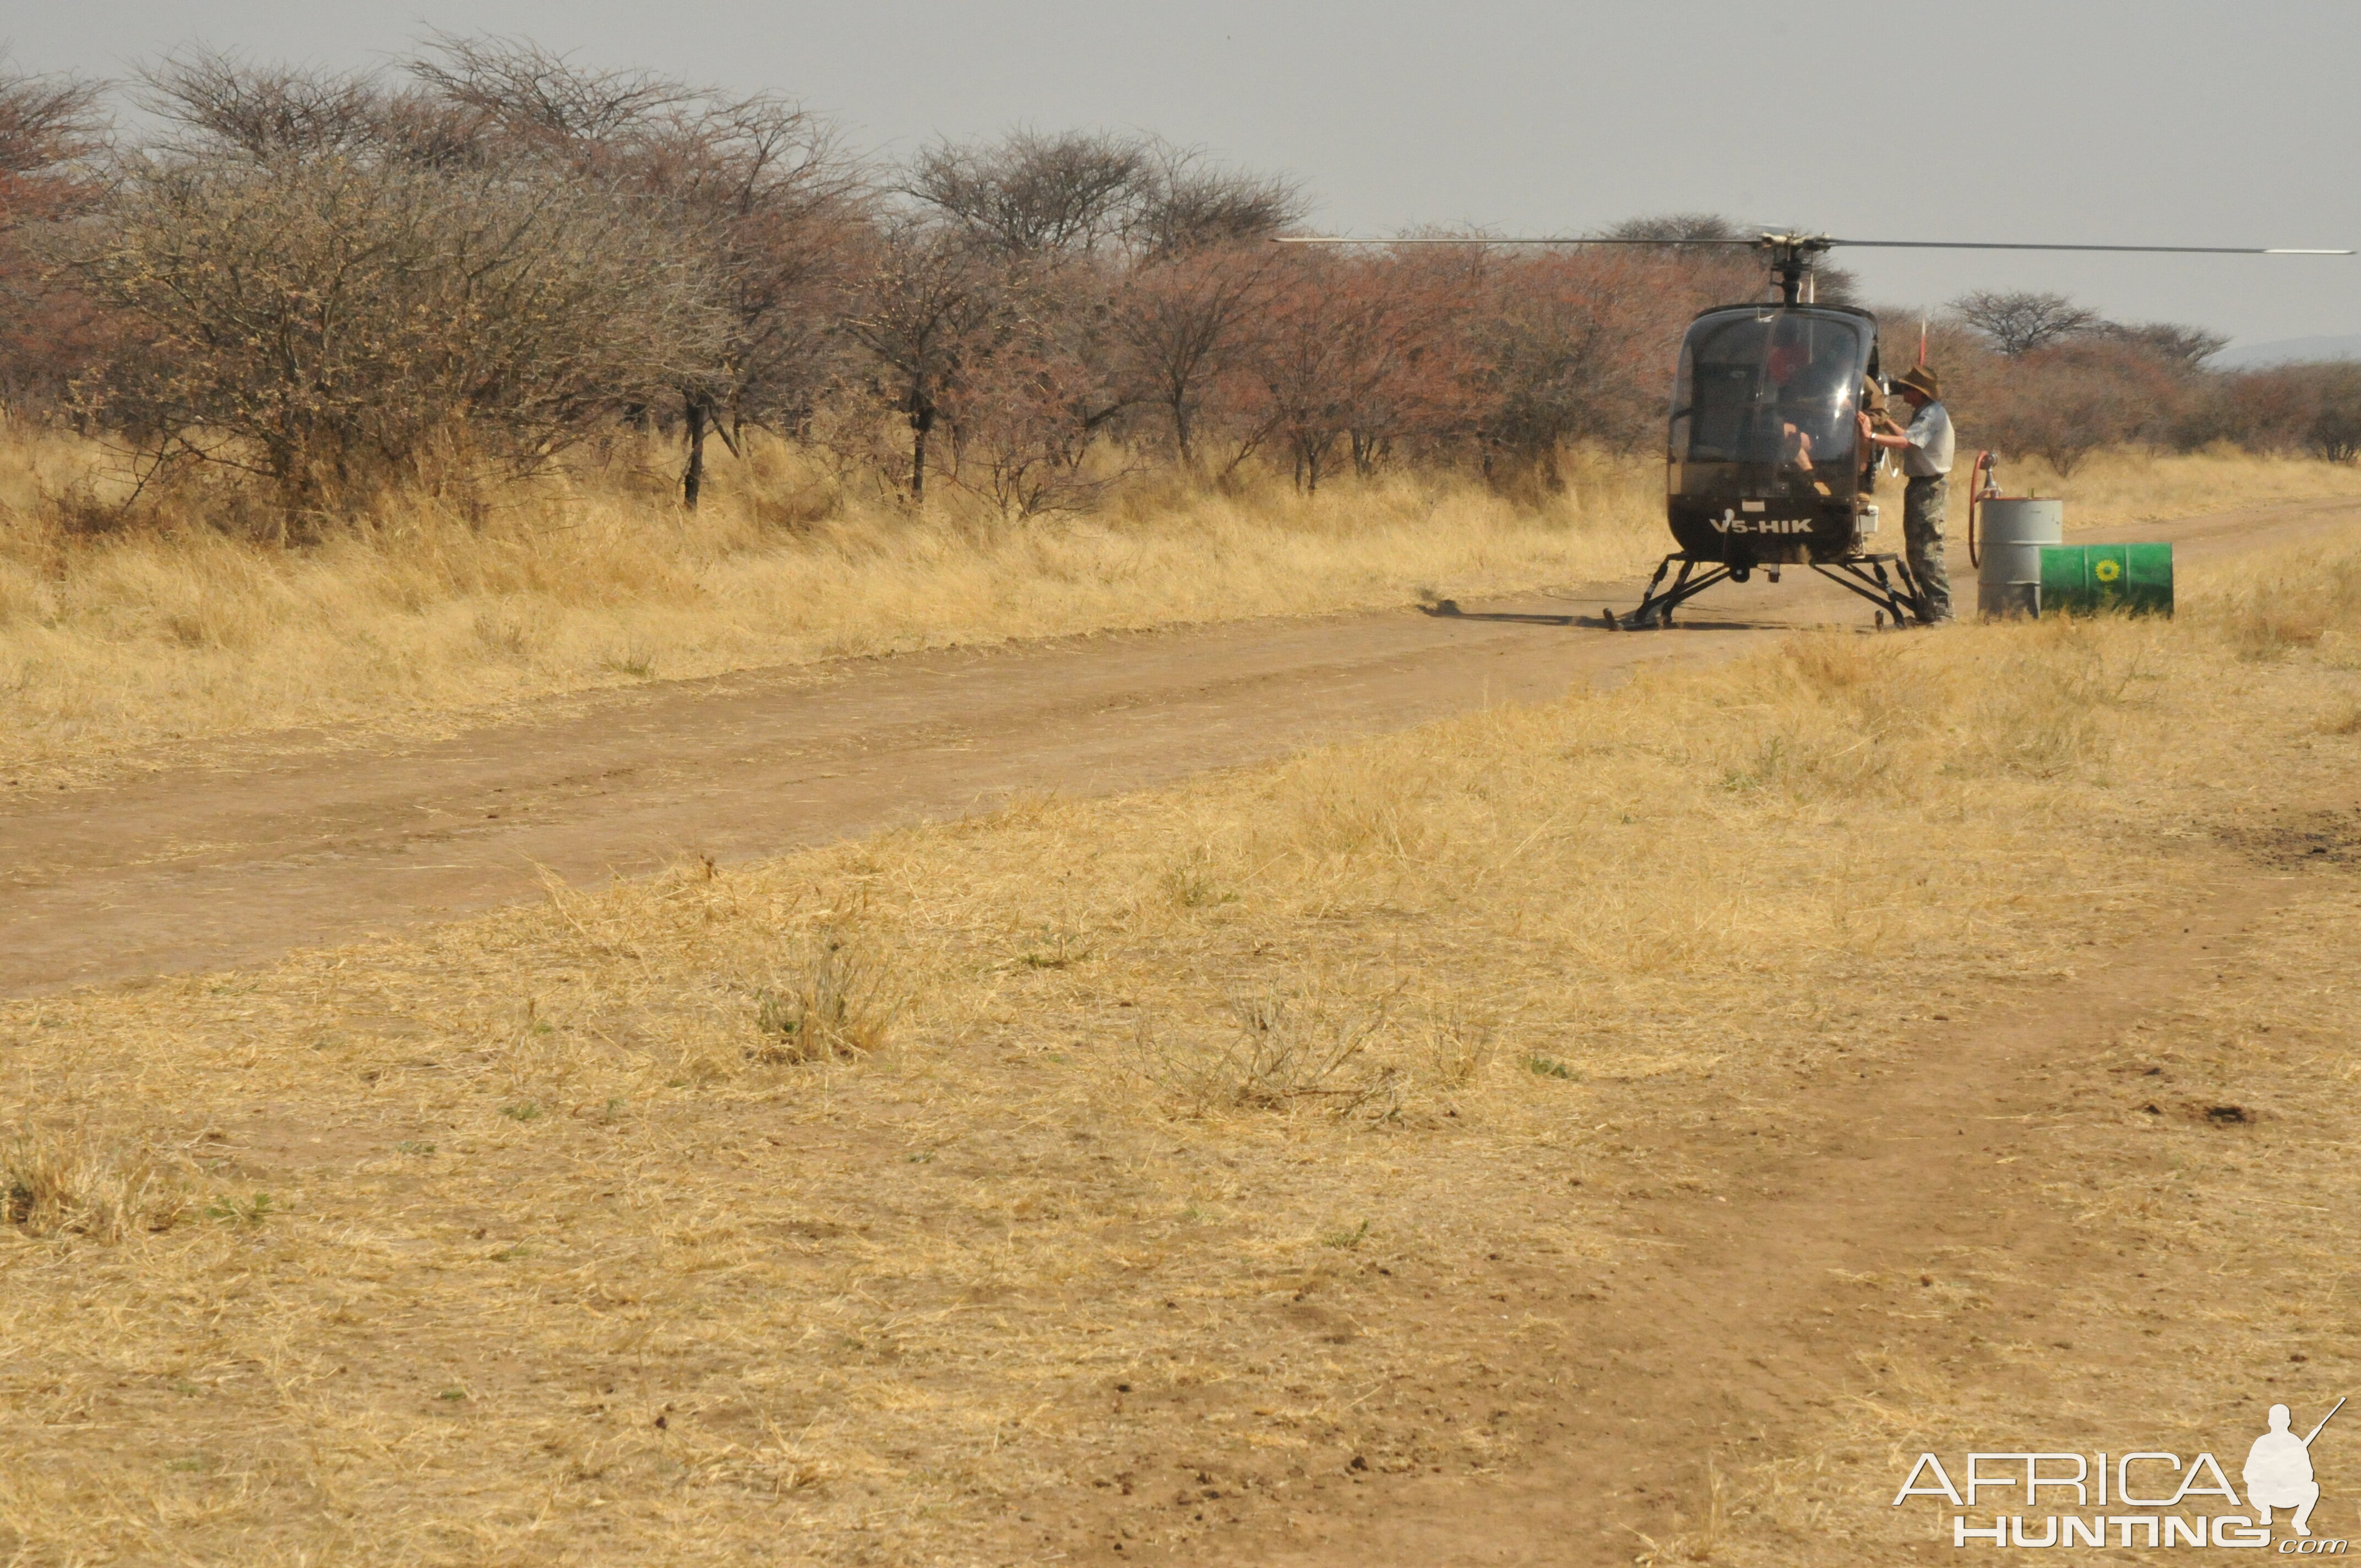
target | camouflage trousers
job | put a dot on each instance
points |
(1923, 501)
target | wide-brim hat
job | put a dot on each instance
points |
(1919, 379)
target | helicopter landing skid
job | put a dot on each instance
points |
(1896, 594)
(1865, 576)
(1656, 607)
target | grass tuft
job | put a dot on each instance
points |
(833, 1002)
(54, 1184)
(1288, 1050)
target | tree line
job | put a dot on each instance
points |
(488, 253)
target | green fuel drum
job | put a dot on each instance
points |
(2083, 579)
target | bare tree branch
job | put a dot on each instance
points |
(2018, 320)
(1031, 193)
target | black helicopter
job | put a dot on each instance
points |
(1765, 468)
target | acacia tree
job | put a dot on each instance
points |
(1713, 242)
(933, 307)
(2333, 432)
(780, 215)
(1354, 352)
(1298, 363)
(2019, 321)
(1576, 346)
(1113, 232)
(1190, 324)
(1015, 439)
(50, 128)
(1184, 202)
(2066, 401)
(1085, 192)
(760, 190)
(214, 106)
(1413, 372)
(2314, 407)
(2176, 343)
(1028, 194)
(329, 321)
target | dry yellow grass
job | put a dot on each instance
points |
(115, 642)
(2138, 486)
(113, 647)
(925, 1199)
(2221, 1176)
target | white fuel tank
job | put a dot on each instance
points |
(2011, 534)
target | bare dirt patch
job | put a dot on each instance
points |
(2300, 837)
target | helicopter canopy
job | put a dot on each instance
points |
(1766, 399)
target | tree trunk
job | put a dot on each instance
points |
(692, 478)
(922, 420)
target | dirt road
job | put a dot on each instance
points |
(229, 854)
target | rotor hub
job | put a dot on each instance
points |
(1793, 258)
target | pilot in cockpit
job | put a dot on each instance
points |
(1791, 387)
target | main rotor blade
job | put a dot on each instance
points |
(1492, 239)
(1815, 242)
(2165, 250)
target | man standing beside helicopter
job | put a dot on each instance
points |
(1926, 448)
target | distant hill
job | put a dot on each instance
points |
(2286, 351)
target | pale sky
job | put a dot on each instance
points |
(2161, 122)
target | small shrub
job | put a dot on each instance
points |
(1347, 1239)
(229, 1210)
(834, 1002)
(1459, 1047)
(1190, 882)
(55, 1185)
(1056, 948)
(1290, 1050)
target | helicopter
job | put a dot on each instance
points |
(1764, 465)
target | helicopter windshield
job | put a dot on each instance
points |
(1771, 387)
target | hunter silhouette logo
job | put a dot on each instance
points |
(2278, 1471)
(2144, 1498)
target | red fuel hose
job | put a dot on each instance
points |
(1976, 493)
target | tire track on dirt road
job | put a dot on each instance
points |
(233, 853)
